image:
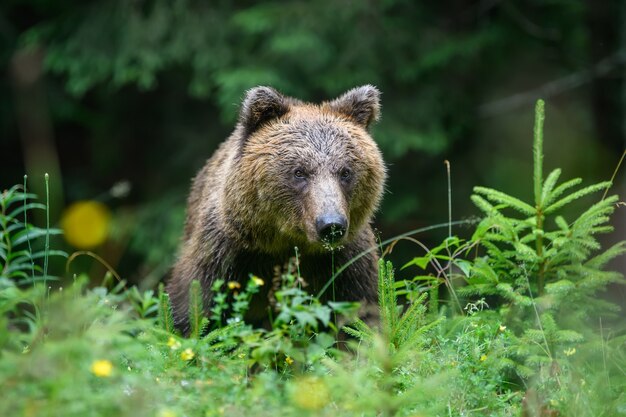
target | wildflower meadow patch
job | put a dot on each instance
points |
(508, 321)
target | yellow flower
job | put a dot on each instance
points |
(203, 383)
(483, 357)
(85, 224)
(173, 343)
(288, 360)
(187, 354)
(569, 352)
(310, 393)
(258, 281)
(502, 328)
(102, 368)
(233, 285)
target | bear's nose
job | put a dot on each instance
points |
(331, 228)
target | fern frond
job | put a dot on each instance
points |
(568, 336)
(587, 242)
(560, 190)
(25, 207)
(594, 280)
(561, 223)
(483, 205)
(196, 310)
(411, 319)
(477, 289)
(560, 289)
(387, 297)
(525, 252)
(507, 291)
(534, 335)
(223, 338)
(360, 330)
(503, 198)
(576, 195)
(165, 317)
(602, 259)
(597, 214)
(433, 301)
(548, 185)
(499, 228)
(32, 233)
(413, 338)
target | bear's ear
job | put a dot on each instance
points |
(261, 105)
(361, 104)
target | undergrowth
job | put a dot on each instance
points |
(521, 329)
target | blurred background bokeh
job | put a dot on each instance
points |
(122, 101)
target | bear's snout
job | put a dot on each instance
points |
(331, 227)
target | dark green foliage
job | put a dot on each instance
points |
(538, 257)
(221, 49)
(303, 329)
(544, 275)
(165, 316)
(197, 320)
(231, 301)
(144, 303)
(404, 329)
(21, 252)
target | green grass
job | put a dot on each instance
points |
(457, 365)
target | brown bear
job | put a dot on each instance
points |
(292, 174)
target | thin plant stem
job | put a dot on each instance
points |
(332, 269)
(608, 380)
(441, 270)
(449, 198)
(538, 149)
(47, 246)
(96, 257)
(614, 174)
(30, 250)
(538, 184)
(386, 242)
(295, 248)
(543, 332)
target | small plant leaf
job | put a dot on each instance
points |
(548, 185)
(576, 195)
(500, 197)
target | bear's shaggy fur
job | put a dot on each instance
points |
(289, 175)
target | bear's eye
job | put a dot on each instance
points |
(345, 174)
(299, 173)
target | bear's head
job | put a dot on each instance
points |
(306, 175)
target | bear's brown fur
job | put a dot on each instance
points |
(291, 174)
